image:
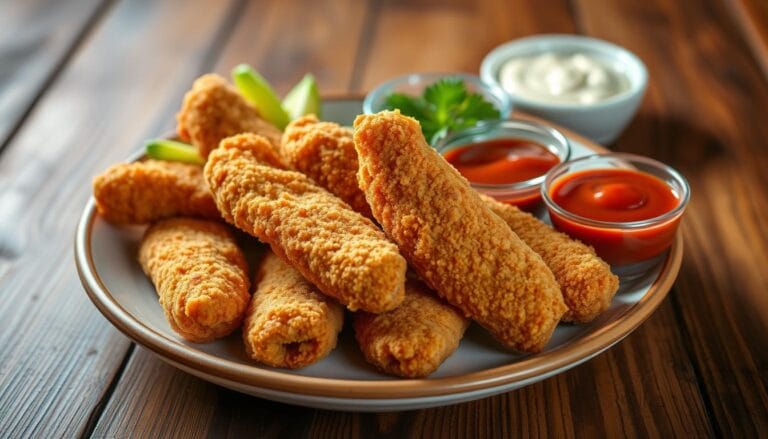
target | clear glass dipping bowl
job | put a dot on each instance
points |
(620, 243)
(524, 194)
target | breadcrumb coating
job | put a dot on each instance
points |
(213, 110)
(586, 281)
(200, 275)
(325, 152)
(415, 338)
(289, 322)
(457, 245)
(343, 253)
(143, 192)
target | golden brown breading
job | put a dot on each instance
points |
(289, 322)
(200, 275)
(457, 245)
(213, 110)
(142, 192)
(343, 253)
(586, 281)
(322, 150)
(326, 153)
(415, 338)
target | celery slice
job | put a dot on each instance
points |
(171, 150)
(303, 99)
(256, 90)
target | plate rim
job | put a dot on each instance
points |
(561, 358)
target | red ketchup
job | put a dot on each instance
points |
(617, 196)
(504, 161)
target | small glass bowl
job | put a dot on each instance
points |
(620, 243)
(414, 84)
(524, 194)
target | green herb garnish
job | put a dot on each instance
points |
(446, 106)
(171, 150)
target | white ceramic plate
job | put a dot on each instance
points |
(106, 261)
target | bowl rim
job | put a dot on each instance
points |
(493, 88)
(489, 70)
(552, 176)
(564, 154)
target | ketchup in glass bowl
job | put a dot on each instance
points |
(507, 159)
(626, 206)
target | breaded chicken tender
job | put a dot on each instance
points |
(200, 275)
(213, 110)
(343, 253)
(586, 281)
(325, 152)
(143, 192)
(415, 338)
(458, 246)
(289, 322)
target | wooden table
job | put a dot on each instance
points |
(83, 82)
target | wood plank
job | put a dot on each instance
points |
(161, 415)
(284, 40)
(58, 354)
(449, 36)
(752, 15)
(645, 386)
(705, 115)
(36, 39)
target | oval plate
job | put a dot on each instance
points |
(106, 262)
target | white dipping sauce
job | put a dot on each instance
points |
(562, 78)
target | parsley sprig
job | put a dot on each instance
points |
(445, 106)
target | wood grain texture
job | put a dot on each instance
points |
(58, 354)
(418, 36)
(285, 40)
(705, 115)
(37, 37)
(752, 15)
(164, 412)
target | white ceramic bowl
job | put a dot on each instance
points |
(601, 121)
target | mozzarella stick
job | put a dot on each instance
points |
(458, 246)
(415, 338)
(200, 275)
(343, 253)
(289, 322)
(213, 110)
(325, 152)
(586, 281)
(143, 192)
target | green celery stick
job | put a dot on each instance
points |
(258, 92)
(171, 150)
(303, 99)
